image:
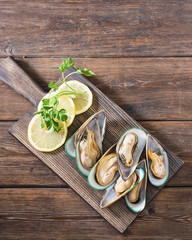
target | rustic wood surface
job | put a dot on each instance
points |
(146, 88)
(146, 48)
(96, 28)
(75, 219)
(118, 215)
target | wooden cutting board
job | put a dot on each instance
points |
(118, 215)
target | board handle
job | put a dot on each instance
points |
(14, 76)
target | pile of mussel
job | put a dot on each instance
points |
(119, 170)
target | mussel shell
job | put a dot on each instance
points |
(153, 145)
(92, 175)
(140, 205)
(111, 196)
(125, 172)
(70, 144)
(94, 126)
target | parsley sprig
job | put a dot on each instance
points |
(50, 116)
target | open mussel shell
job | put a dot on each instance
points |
(154, 146)
(92, 180)
(140, 204)
(72, 141)
(111, 196)
(93, 125)
(70, 146)
(125, 172)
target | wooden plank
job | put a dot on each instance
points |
(19, 81)
(61, 214)
(96, 28)
(146, 88)
(117, 122)
(19, 167)
(117, 215)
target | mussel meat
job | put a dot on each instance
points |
(127, 148)
(106, 169)
(136, 198)
(157, 162)
(122, 185)
(89, 150)
(121, 188)
(133, 196)
(157, 166)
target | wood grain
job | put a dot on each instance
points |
(15, 77)
(61, 214)
(19, 167)
(146, 88)
(96, 28)
(118, 121)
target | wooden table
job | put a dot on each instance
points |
(141, 52)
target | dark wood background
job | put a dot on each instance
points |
(141, 52)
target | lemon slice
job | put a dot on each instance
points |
(65, 102)
(82, 102)
(43, 140)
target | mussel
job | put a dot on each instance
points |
(89, 147)
(71, 143)
(133, 196)
(157, 162)
(89, 150)
(129, 149)
(136, 199)
(120, 188)
(105, 171)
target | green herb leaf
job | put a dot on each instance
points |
(61, 115)
(53, 113)
(85, 71)
(39, 112)
(58, 129)
(42, 123)
(54, 102)
(53, 85)
(45, 101)
(47, 107)
(55, 124)
(63, 111)
(47, 117)
(52, 129)
(66, 64)
(48, 124)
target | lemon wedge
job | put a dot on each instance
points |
(65, 102)
(43, 140)
(82, 102)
